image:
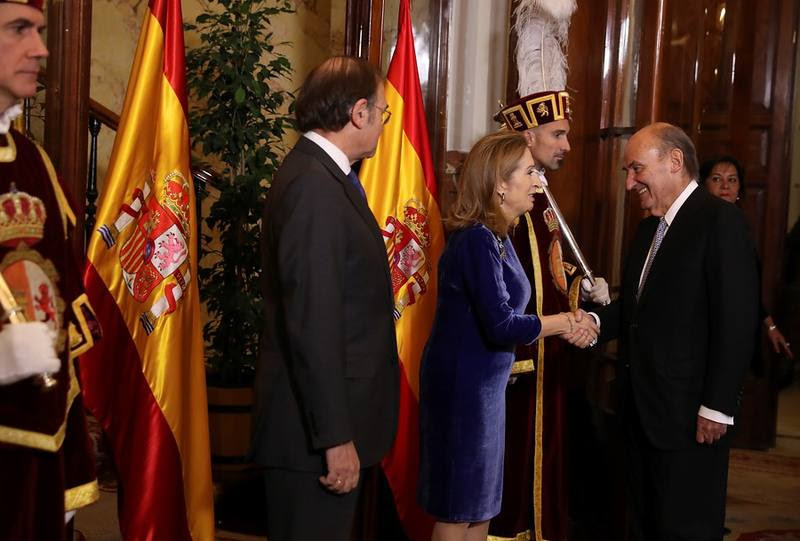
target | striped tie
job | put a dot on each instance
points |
(659, 236)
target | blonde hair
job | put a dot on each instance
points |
(494, 157)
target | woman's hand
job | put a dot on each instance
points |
(583, 331)
(578, 328)
(779, 343)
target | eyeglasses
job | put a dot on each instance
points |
(386, 114)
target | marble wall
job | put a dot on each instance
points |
(115, 31)
(477, 68)
(315, 31)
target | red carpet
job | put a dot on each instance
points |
(771, 535)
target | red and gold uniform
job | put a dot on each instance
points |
(46, 458)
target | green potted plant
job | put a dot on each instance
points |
(238, 116)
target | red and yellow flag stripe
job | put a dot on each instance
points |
(401, 190)
(145, 380)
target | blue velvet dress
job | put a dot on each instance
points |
(482, 295)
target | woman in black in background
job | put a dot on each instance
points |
(724, 177)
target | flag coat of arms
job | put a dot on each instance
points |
(146, 382)
(402, 193)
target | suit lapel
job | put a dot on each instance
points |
(670, 250)
(307, 146)
(356, 199)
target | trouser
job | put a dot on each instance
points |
(675, 494)
(299, 508)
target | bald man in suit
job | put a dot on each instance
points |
(686, 318)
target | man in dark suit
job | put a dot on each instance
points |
(327, 385)
(686, 317)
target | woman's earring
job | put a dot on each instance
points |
(502, 197)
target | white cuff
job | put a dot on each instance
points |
(714, 415)
(26, 349)
(596, 319)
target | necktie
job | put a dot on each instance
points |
(659, 236)
(357, 183)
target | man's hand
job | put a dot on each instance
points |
(343, 468)
(709, 431)
(584, 330)
(597, 293)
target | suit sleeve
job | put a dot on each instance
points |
(611, 324)
(483, 272)
(311, 252)
(732, 284)
(610, 320)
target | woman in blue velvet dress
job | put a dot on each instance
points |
(480, 318)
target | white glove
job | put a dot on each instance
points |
(598, 293)
(26, 349)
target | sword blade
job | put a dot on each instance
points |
(9, 303)
(566, 232)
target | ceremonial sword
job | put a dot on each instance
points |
(567, 233)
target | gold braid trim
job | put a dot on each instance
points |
(40, 440)
(538, 429)
(575, 293)
(522, 536)
(67, 215)
(80, 341)
(522, 367)
(81, 496)
(8, 153)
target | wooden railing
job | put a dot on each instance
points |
(99, 116)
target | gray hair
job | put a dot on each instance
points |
(671, 137)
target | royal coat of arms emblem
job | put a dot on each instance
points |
(406, 242)
(31, 278)
(156, 248)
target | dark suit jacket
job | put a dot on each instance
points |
(688, 341)
(329, 369)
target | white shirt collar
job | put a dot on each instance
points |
(8, 116)
(678, 203)
(331, 150)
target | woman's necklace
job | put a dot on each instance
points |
(501, 246)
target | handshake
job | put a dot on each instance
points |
(582, 331)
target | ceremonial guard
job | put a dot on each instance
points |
(535, 502)
(46, 461)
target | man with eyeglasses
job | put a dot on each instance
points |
(327, 386)
(386, 114)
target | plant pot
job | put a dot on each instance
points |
(230, 412)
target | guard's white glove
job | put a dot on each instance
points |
(26, 349)
(597, 294)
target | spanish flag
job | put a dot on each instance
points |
(145, 381)
(401, 190)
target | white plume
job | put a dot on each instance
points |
(542, 28)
